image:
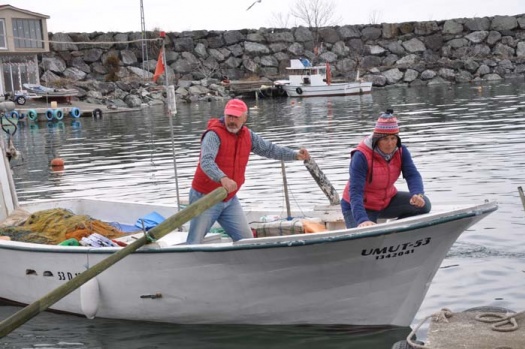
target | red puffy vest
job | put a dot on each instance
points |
(380, 191)
(232, 158)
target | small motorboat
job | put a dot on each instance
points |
(306, 80)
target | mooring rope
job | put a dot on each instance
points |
(499, 320)
(440, 316)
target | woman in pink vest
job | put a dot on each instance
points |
(375, 166)
(225, 149)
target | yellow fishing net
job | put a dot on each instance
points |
(56, 225)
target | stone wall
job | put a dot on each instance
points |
(412, 53)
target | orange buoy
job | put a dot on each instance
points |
(57, 162)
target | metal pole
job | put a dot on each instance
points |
(170, 115)
(144, 42)
(286, 198)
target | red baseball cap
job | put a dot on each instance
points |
(235, 107)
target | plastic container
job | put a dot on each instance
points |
(70, 242)
(54, 104)
(270, 218)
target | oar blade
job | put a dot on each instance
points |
(323, 182)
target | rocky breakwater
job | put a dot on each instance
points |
(117, 68)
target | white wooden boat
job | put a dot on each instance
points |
(369, 276)
(306, 80)
(376, 275)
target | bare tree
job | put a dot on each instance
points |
(280, 20)
(374, 17)
(315, 13)
(207, 69)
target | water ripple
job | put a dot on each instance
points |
(468, 144)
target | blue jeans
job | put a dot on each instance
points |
(399, 207)
(229, 214)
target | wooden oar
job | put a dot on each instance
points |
(170, 224)
(322, 181)
(522, 196)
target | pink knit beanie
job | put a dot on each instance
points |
(386, 125)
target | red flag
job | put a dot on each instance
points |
(328, 74)
(159, 69)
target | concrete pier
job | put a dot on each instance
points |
(463, 330)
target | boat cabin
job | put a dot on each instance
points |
(23, 35)
(301, 72)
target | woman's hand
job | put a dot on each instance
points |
(417, 200)
(366, 224)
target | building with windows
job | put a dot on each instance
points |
(23, 35)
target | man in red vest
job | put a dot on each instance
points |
(225, 150)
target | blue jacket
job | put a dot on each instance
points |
(358, 176)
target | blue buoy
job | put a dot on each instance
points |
(14, 114)
(75, 112)
(49, 114)
(58, 114)
(32, 114)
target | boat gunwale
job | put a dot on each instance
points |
(398, 226)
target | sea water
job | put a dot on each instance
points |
(467, 141)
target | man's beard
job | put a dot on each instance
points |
(233, 128)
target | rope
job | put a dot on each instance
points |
(441, 316)
(56, 225)
(296, 202)
(99, 42)
(86, 42)
(499, 320)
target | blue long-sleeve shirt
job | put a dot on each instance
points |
(210, 147)
(358, 173)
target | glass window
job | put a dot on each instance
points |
(28, 33)
(2, 34)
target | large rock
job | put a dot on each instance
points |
(415, 53)
(74, 74)
(62, 42)
(414, 45)
(133, 101)
(303, 34)
(501, 23)
(393, 75)
(255, 48)
(54, 64)
(128, 57)
(452, 27)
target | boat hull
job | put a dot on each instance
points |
(370, 276)
(336, 89)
